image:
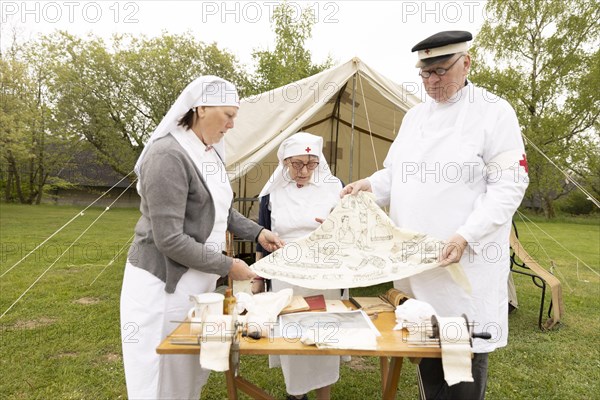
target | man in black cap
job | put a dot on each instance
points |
(444, 63)
(457, 171)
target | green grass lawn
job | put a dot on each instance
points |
(61, 339)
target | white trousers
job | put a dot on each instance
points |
(146, 315)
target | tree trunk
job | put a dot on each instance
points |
(42, 176)
(8, 188)
(12, 168)
(548, 206)
(40, 187)
(31, 181)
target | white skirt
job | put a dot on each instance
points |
(146, 315)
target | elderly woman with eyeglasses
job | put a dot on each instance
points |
(298, 196)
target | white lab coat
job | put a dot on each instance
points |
(459, 167)
(293, 212)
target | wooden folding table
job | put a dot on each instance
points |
(392, 348)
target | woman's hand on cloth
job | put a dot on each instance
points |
(270, 241)
(355, 187)
(240, 272)
(453, 250)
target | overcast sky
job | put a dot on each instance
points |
(381, 33)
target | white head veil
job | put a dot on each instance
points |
(301, 143)
(207, 90)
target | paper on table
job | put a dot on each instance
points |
(336, 330)
(357, 339)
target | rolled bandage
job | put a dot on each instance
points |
(456, 349)
(215, 342)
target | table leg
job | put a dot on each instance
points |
(231, 386)
(384, 366)
(237, 382)
(392, 378)
(251, 389)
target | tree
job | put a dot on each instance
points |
(115, 96)
(30, 152)
(15, 114)
(61, 93)
(290, 60)
(543, 56)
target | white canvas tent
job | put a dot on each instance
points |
(356, 110)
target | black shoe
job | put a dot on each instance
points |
(292, 397)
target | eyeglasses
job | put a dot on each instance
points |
(298, 165)
(438, 71)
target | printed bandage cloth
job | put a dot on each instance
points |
(357, 245)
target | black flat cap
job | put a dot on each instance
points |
(441, 44)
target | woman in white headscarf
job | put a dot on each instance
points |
(179, 240)
(298, 196)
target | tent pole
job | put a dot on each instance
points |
(334, 147)
(352, 127)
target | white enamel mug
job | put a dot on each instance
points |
(204, 304)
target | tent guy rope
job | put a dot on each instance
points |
(552, 264)
(558, 243)
(111, 262)
(70, 246)
(362, 91)
(79, 214)
(567, 176)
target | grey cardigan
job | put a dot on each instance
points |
(178, 215)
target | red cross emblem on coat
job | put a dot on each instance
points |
(307, 149)
(523, 163)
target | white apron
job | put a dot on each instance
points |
(146, 315)
(291, 219)
(146, 309)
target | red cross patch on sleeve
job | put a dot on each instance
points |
(523, 163)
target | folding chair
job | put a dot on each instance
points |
(523, 263)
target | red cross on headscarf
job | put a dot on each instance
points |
(307, 149)
(523, 163)
(427, 51)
